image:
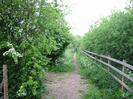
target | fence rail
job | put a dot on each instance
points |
(101, 58)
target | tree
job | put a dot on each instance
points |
(112, 36)
(33, 34)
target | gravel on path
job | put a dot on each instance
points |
(65, 85)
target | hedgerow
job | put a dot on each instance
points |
(112, 36)
(33, 34)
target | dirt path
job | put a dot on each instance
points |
(65, 86)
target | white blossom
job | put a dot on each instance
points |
(11, 52)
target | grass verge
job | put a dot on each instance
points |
(102, 85)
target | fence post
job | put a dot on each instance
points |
(122, 79)
(109, 62)
(5, 81)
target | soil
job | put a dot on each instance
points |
(65, 85)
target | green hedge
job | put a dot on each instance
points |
(33, 34)
(112, 36)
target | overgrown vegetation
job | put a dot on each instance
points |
(64, 63)
(112, 36)
(33, 34)
(104, 86)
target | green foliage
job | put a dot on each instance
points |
(94, 93)
(105, 87)
(38, 35)
(64, 63)
(112, 36)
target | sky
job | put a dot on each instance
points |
(84, 13)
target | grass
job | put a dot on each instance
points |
(64, 63)
(61, 68)
(102, 85)
(92, 93)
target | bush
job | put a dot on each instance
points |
(112, 36)
(36, 31)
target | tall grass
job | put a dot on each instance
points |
(104, 86)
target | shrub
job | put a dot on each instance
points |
(112, 36)
(38, 32)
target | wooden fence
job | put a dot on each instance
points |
(4, 83)
(107, 61)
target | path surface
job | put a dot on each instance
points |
(65, 86)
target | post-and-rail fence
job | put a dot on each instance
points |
(109, 62)
(105, 60)
(4, 82)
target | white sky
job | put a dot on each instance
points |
(84, 13)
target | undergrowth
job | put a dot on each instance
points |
(64, 63)
(105, 87)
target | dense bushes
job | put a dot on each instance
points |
(33, 34)
(112, 36)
